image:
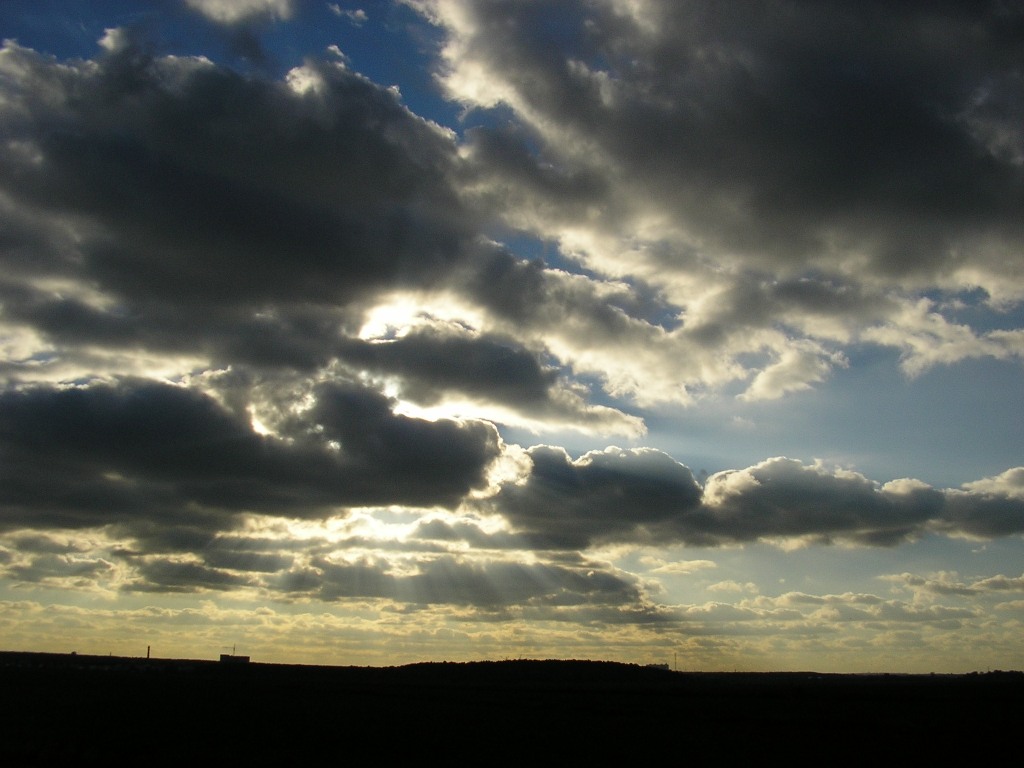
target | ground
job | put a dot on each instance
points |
(79, 710)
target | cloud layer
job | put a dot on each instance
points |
(265, 334)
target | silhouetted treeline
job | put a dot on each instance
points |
(63, 709)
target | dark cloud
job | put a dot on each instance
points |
(396, 459)
(644, 496)
(185, 209)
(784, 498)
(161, 575)
(212, 208)
(512, 161)
(780, 130)
(41, 543)
(541, 300)
(611, 495)
(494, 368)
(248, 561)
(982, 515)
(57, 568)
(141, 454)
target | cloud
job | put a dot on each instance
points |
(279, 264)
(432, 365)
(685, 567)
(183, 211)
(161, 575)
(493, 585)
(611, 495)
(225, 238)
(733, 586)
(497, 368)
(234, 11)
(60, 571)
(797, 368)
(1009, 483)
(357, 17)
(785, 497)
(643, 496)
(982, 515)
(934, 584)
(169, 463)
(749, 170)
(205, 209)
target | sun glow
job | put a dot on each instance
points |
(395, 524)
(451, 408)
(401, 312)
(258, 426)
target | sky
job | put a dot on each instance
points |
(372, 333)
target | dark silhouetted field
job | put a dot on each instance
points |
(90, 710)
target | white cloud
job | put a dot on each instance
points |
(673, 567)
(1009, 483)
(234, 11)
(358, 16)
(733, 586)
(114, 40)
(798, 367)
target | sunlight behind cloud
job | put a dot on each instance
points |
(400, 312)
